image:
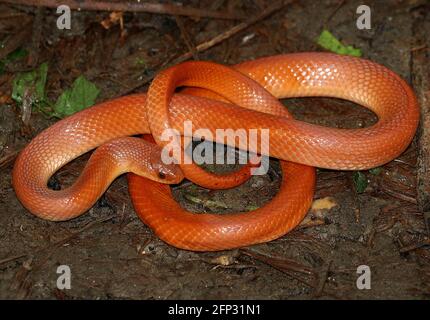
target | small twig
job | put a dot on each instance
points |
(212, 42)
(76, 233)
(322, 277)
(290, 264)
(309, 222)
(6, 260)
(9, 158)
(414, 246)
(422, 47)
(58, 243)
(231, 32)
(206, 203)
(400, 196)
(340, 5)
(426, 216)
(282, 264)
(186, 37)
(160, 8)
(36, 37)
(404, 162)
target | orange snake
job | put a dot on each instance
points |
(300, 146)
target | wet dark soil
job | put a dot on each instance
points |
(113, 255)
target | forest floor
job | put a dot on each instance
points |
(113, 255)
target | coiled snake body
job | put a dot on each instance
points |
(244, 96)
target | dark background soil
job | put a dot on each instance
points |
(113, 255)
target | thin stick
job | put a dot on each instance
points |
(284, 265)
(322, 277)
(60, 242)
(6, 260)
(186, 37)
(159, 8)
(9, 158)
(414, 246)
(231, 32)
(340, 4)
(36, 38)
(279, 262)
(212, 42)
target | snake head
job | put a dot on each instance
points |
(161, 172)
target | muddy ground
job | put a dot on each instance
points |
(113, 255)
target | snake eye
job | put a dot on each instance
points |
(161, 175)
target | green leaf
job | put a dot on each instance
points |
(360, 181)
(17, 54)
(252, 207)
(141, 62)
(34, 80)
(81, 95)
(375, 171)
(328, 41)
